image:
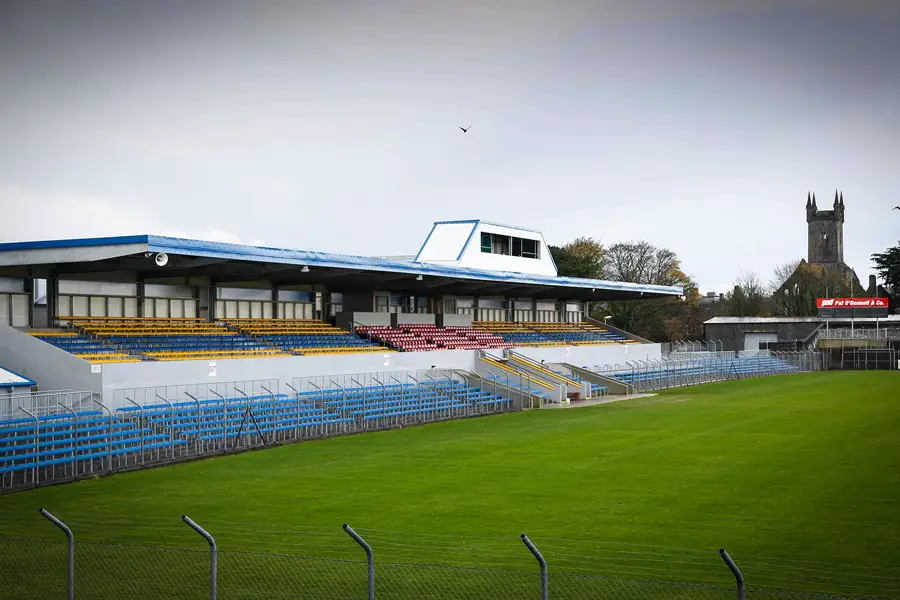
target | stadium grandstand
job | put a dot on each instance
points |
(146, 348)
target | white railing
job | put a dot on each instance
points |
(859, 334)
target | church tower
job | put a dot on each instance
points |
(826, 232)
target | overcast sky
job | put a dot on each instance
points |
(333, 125)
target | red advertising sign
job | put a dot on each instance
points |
(851, 302)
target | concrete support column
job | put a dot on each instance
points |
(326, 306)
(140, 295)
(52, 300)
(29, 289)
(274, 300)
(212, 301)
(206, 301)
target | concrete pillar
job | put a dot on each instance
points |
(140, 295)
(29, 289)
(212, 297)
(206, 302)
(52, 300)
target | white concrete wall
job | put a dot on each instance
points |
(445, 242)
(412, 319)
(455, 320)
(50, 367)
(53, 368)
(588, 356)
(125, 375)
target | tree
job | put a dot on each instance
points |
(797, 296)
(583, 257)
(782, 273)
(887, 265)
(748, 297)
(642, 262)
(658, 319)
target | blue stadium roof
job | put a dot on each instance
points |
(78, 251)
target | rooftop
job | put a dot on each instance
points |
(11, 379)
(891, 319)
(131, 258)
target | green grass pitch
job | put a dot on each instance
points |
(779, 471)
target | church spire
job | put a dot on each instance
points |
(836, 204)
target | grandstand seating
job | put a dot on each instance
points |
(302, 336)
(83, 346)
(128, 339)
(741, 366)
(173, 338)
(68, 444)
(413, 338)
(552, 334)
(278, 417)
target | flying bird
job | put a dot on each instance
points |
(465, 129)
(896, 208)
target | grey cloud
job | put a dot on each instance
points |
(698, 125)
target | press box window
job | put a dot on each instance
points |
(492, 243)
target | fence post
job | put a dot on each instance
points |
(36, 474)
(370, 558)
(109, 447)
(143, 426)
(213, 550)
(738, 576)
(71, 558)
(545, 578)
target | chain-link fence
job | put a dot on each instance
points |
(63, 567)
(865, 359)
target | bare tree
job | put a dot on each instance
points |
(782, 273)
(748, 296)
(642, 262)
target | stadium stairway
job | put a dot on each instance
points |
(575, 388)
(531, 378)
